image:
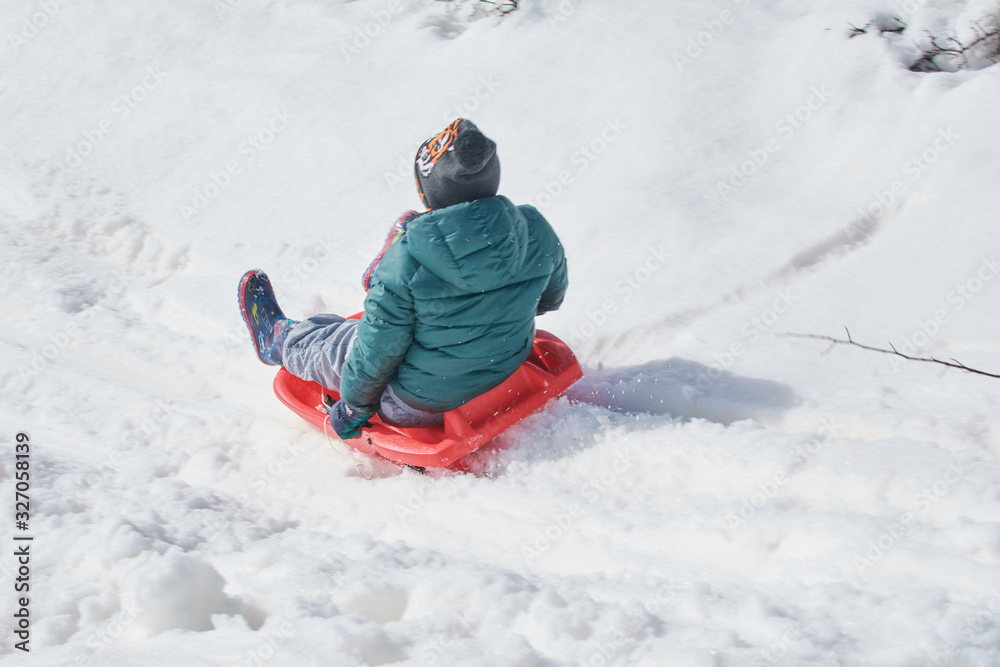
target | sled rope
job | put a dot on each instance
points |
(347, 452)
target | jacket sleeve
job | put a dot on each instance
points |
(383, 338)
(554, 292)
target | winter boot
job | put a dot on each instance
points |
(267, 324)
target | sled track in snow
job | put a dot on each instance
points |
(845, 241)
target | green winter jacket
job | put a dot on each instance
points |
(451, 309)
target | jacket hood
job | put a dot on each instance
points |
(476, 246)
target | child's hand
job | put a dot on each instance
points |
(347, 422)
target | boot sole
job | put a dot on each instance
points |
(243, 312)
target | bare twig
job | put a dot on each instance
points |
(926, 62)
(953, 363)
(985, 42)
(957, 49)
(501, 7)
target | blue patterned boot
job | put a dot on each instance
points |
(267, 324)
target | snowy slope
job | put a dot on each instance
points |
(709, 494)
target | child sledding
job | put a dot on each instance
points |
(451, 304)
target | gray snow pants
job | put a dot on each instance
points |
(316, 348)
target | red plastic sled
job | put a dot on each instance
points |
(546, 374)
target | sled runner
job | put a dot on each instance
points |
(546, 374)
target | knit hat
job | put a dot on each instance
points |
(458, 165)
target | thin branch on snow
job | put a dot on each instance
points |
(953, 363)
(984, 44)
(957, 49)
(501, 7)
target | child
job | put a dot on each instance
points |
(451, 304)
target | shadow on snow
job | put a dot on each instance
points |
(684, 389)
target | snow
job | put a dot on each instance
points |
(711, 493)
